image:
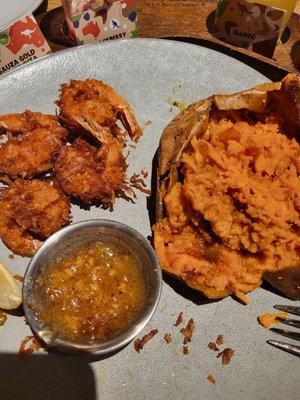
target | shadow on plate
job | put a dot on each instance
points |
(185, 291)
(83, 358)
(46, 377)
(268, 287)
(268, 70)
(285, 283)
(151, 200)
(18, 312)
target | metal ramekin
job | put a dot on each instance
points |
(63, 243)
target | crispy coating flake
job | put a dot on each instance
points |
(168, 338)
(19, 278)
(3, 317)
(34, 149)
(226, 355)
(211, 378)
(91, 174)
(179, 319)
(188, 331)
(29, 345)
(212, 346)
(140, 343)
(220, 340)
(31, 208)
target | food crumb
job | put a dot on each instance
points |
(144, 173)
(140, 343)
(34, 345)
(185, 350)
(188, 331)
(211, 378)
(266, 320)
(220, 340)
(147, 123)
(138, 183)
(168, 338)
(213, 346)
(11, 256)
(19, 278)
(175, 103)
(3, 317)
(179, 319)
(226, 355)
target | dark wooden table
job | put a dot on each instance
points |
(172, 18)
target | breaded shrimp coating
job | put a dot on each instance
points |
(31, 208)
(100, 103)
(34, 149)
(91, 174)
(27, 121)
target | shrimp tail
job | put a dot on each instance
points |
(129, 121)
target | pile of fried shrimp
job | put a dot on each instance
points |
(48, 160)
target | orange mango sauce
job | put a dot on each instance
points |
(92, 295)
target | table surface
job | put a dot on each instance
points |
(164, 23)
(56, 3)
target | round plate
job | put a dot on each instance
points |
(13, 10)
(151, 74)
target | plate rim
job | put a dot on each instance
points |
(125, 41)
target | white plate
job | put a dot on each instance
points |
(147, 72)
(13, 10)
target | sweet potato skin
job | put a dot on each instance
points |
(283, 96)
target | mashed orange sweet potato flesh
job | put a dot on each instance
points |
(235, 213)
(267, 320)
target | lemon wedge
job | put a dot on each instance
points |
(10, 290)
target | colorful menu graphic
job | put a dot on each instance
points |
(99, 20)
(20, 43)
(253, 26)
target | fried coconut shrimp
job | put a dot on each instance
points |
(100, 103)
(29, 210)
(33, 142)
(90, 173)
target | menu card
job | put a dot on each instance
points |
(99, 20)
(253, 26)
(20, 43)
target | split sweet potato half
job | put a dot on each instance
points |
(228, 195)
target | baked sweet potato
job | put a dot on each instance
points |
(228, 195)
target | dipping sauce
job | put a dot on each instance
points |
(92, 295)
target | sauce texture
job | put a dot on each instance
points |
(92, 295)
